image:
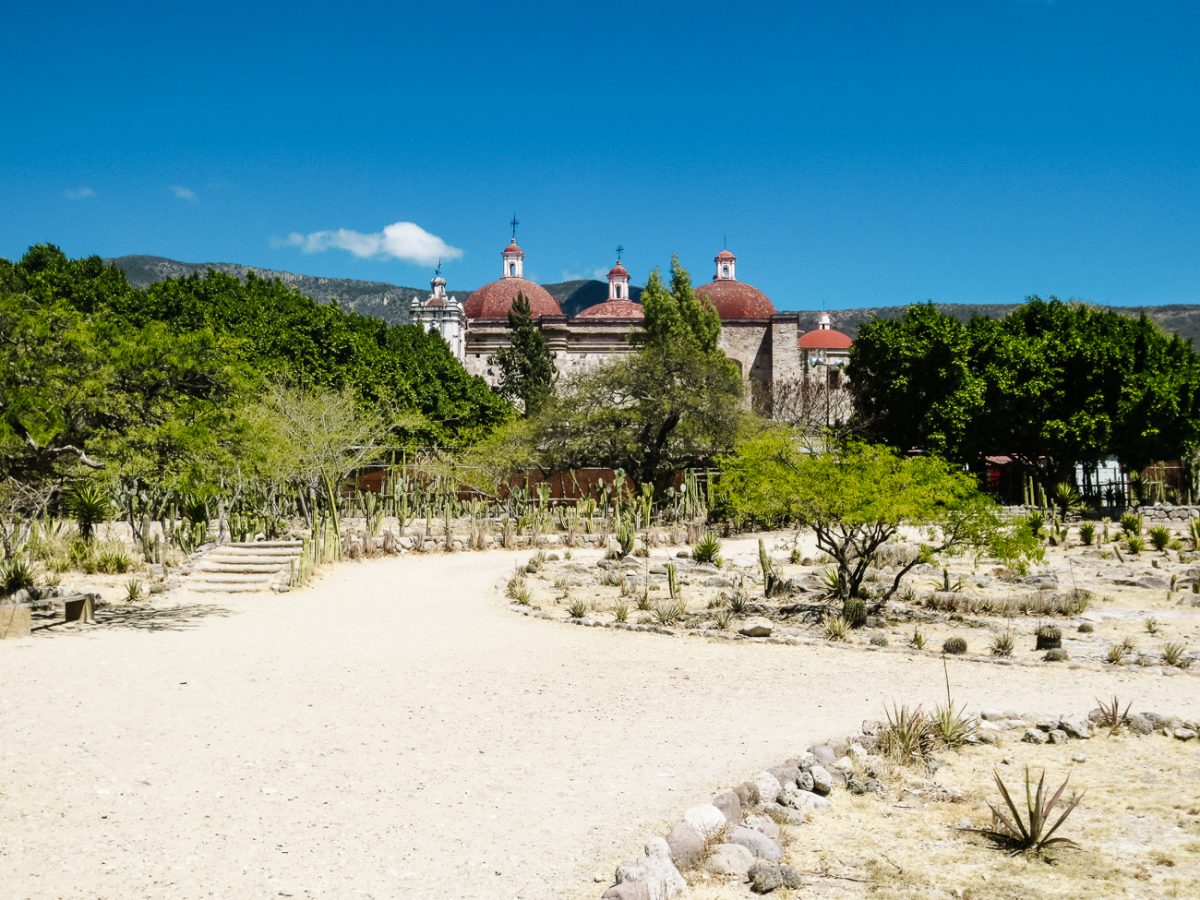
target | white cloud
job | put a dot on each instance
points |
(406, 241)
(80, 193)
(184, 193)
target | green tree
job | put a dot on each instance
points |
(856, 499)
(527, 364)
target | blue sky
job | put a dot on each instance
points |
(852, 153)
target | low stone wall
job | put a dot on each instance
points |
(737, 834)
(1166, 512)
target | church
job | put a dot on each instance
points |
(767, 346)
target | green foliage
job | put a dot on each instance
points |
(1066, 498)
(1131, 524)
(707, 549)
(133, 590)
(837, 628)
(1087, 533)
(669, 612)
(526, 365)
(856, 499)
(1117, 654)
(1136, 543)
(16, 574)
(621, 612)
(1047, 637)
(1160, 537)
(90, 504)
(1173, 654)
(626, 538)
(954, 646)
(1030, 830)
(854, 611)
(672, 580)
(1003, 644)
(907, 736)
(917, 641)
(577, 609)
(952, 727)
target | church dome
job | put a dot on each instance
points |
(824, 339)
(736, 299)
(493, 301)
(614, 309)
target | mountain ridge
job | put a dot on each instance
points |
(390, 302)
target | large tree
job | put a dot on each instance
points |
(526, 364)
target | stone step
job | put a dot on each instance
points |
(234, 578)
(247, 568)
(264, 544)
(255, 551)
(205, 588)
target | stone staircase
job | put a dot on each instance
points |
(244, 567)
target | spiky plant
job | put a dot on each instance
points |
(954, 646)
(1117, 654)
(707, 549)
(1066, 498)
(1111, 716)
(1048, 637)
(523, 595)
(722, 620)
(1131, 524)
(670, 613)
(1151, 625)
(1173, 654)
(770, 579)
(854, 611)
(1087, 533)
(1003, 644)
(1030, 829)
(907, 736)
(577, 609)
(1160, 537)
(1057, 654)
(133, 590)
(738, 602)
(621, 612)
(1135, 543)
(917, 641)
(672, 580)
(836, 628)
(16, 574)
(89, 503)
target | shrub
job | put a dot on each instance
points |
(954, 646)
(670, 613)
(722, 620)
(879, 640)
(907, 736)
(1117, 654)
(578, 609)
(1058, 654)
(621, 612)
(738, 602)
(1131, 524)
(1173, 654)
(133, 590)
(523, 595)
(1135, 543)
(917, 641)
(952, 727)
(15, 575)
(89, 504)
(836, 628)
(1160, 537)
(1049, 637)
(514, 585)
(1002, 644)
(707, 550)
(1033, 831)
(1087, 533)
(1111, 716)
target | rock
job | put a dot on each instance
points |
(1079, 757)
(865, 785)
(655, 872)
(706, 819)
(1035, 736)
(630, 890)
(730, 859)
(730, 806)
(823, 753)
(822, 780)
(756, 626)
(1076, 726)
(748, 794)
(686, 845)
(858, 752)
(805, 800)
(786, 774)
(1058, 736)
(844, 766)
(1141, 724)
(807, 761)
(789, 815)
(768, 787)
(1047, 723)
(1185, 734)
(761, 846)
(764, 824)
(765, 877)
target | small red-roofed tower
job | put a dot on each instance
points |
(618, 280)
(726, 266)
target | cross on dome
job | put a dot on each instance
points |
(618, 279)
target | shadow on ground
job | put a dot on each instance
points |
(138, 617)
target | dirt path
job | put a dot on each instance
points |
(394, 730)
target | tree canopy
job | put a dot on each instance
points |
(1053, 384)
(527, 364)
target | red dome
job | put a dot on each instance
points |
(513, 250)
(618, 270)
(614, 309)
(493, 301)
(824, 339)
(736, 299)
(725, 254)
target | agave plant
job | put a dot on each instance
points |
(1160, 537)
(708, 549)
(1111, 715)
(1031, 830)
(908, 734)
(89, 504)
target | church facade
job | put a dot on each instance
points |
(767, 346)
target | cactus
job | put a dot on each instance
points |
(770, 580)
(672, 582)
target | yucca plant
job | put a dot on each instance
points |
(1066, 498)
(522, 595)
(907, 736)
(1173, 654)
(1131, 524)
(1117, 654)
(133, 590)
(16, 574)
(1087, 533)
(1003, 644)
(1030, 829)
(722, 620)
(621, 612)
(1135, 543)
(670, 613)
(917, 641)
(738, 602)
(953, 727)
(89, 504)
(577, 609)
(837, 628)
(1111, 716)
(707, 549)
(1160, 537)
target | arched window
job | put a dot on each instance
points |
(618, 290)
(724, 271)
(512, 268)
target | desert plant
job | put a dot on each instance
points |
(1048, 637)
(1117, 654)
(133, 590)
(1173, 654)
(1057, 654)
(1031, 832)
(1066, 498)
(16, 574)
(907, 736)
(832, 581)
(621, 612)
(1087, 533)
(1151, 625)
(908, 595)
(770, 579)
(626, 538)
(577, 609)
(514, 585)
(1111, 716)
(523, 595)
(854, 611)
(879, 640)
(836, 628)
(1035, 520)
(1160, 537)
(89, 504)
(670, 613)
(738, 602)
(707, 549)
(952, 727)
(1003, 644)
(672, 580)
(917, 641)
(1135, 543)
(1086, 628)
(1131, 524)
(723, 619)
(954, 646)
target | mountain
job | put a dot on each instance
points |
(390, 301)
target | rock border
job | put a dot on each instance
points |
(736, 833)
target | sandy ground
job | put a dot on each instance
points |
(396, 730)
